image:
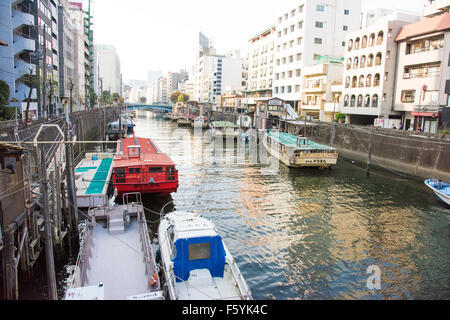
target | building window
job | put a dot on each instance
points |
(345, 28)
(320, 7)
(369, 80)
(376, 80)
(360, 101)
(350, 45)
(346, 12)
(300, 9)
(375, 101)
(363, 62)
(354, 82)
(380, 37)
(293, 13)
(353, 101)
(292, 28)
(361, 81)
(298, 73)
(317, 40)
(364, 42)
(297, 88)
(367, 101)
(356, 44)
(347, 82)
(299, 41)
(378, 59)
(346, 100)
(300, 24)
(386, 76)
(319, 24)
(289, 89)
(316, 57)
(290, 74)
(370, 60)
(299, 56)
(408, 96)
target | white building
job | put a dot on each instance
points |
(261, 55)
(423, 72)
(305, 32)
(108, 67)
(369, 75)
(436, 7)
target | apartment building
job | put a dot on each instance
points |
(436, 7)
(369, 76)
(304, 33)
(423, 85)
(108, 67)
(321, 89)
(16, 29)
(261, 55)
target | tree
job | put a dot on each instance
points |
(174, 96)
(32, 81)
(106, 97)
(4, 97)
(142, 99)
(92, 97)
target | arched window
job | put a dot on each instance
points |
(354, 82)
(349, 63)
(380, 37)
(370, 60)
(355, 63)
(378, 59)
(376, 80)
(360, 101)
(372, 40)
(353, 101)
(350, 45)
(364, 42)
(375, 101)
(357, 41)
(361, 81)
(369, 80)
(346, 100)
(363, 62)
(367, 101)
(347, 82)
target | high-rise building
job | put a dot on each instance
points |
(16, 30)
(108, 67)
(305, 32)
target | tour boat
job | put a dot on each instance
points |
(140, 166)
(116, 260)
(225, 129)
(440, 189)
(196, 262)
(295, 151)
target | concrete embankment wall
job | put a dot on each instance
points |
(417, 154)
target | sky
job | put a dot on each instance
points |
(163, 34)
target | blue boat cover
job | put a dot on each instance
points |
(215, 264)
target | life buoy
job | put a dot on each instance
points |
(154, 280)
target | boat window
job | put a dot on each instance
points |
(120, 172)
(134, 170)
(198, 251)
(155, 169)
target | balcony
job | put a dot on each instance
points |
(315, 70)
(316, 87)
(22, 68)
(20, 19)
(22, 44)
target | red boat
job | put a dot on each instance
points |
(140, 166)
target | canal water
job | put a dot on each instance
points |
(304, 233)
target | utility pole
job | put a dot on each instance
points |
(71, 196)
(44, 71)
(71, 101)
(50, 261)
(101, 91)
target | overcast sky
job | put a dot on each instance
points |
(163, 34)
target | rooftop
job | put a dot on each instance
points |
(425, 26)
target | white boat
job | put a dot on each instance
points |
(196, 262)
(92, 177)
(116, 260)
(295, 151)
(440, 189)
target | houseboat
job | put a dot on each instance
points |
(441, 190)
(92, 176)
(225, 129)
(116, 260)
(295, 151)
(196, 262)
(140, 166)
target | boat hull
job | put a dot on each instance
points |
(439, 193)
(161, 188)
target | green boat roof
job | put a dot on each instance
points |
(290, 140)
(223, 124)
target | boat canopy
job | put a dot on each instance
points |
(223, 124)
(198, 253)
(298, 143)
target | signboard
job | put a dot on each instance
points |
(275, 102)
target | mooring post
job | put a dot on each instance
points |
(50, 261)
(369, 151)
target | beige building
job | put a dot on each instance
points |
(321, 90)
(423, 72)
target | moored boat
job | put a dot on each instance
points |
(196, 262)
(200, 122)
(184, 120)
(225, 129)
(140, 166)
(116, 260)
(295, 151)
(441, 189)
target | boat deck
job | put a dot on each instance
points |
(201, 286)
(117, 262)
(92, 177)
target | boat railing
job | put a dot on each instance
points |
(82, 265)
(246, 293)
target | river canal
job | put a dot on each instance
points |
(309, 234)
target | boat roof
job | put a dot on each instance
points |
(290, 140)
(223, 124)
(190, 225)
(150, 154)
